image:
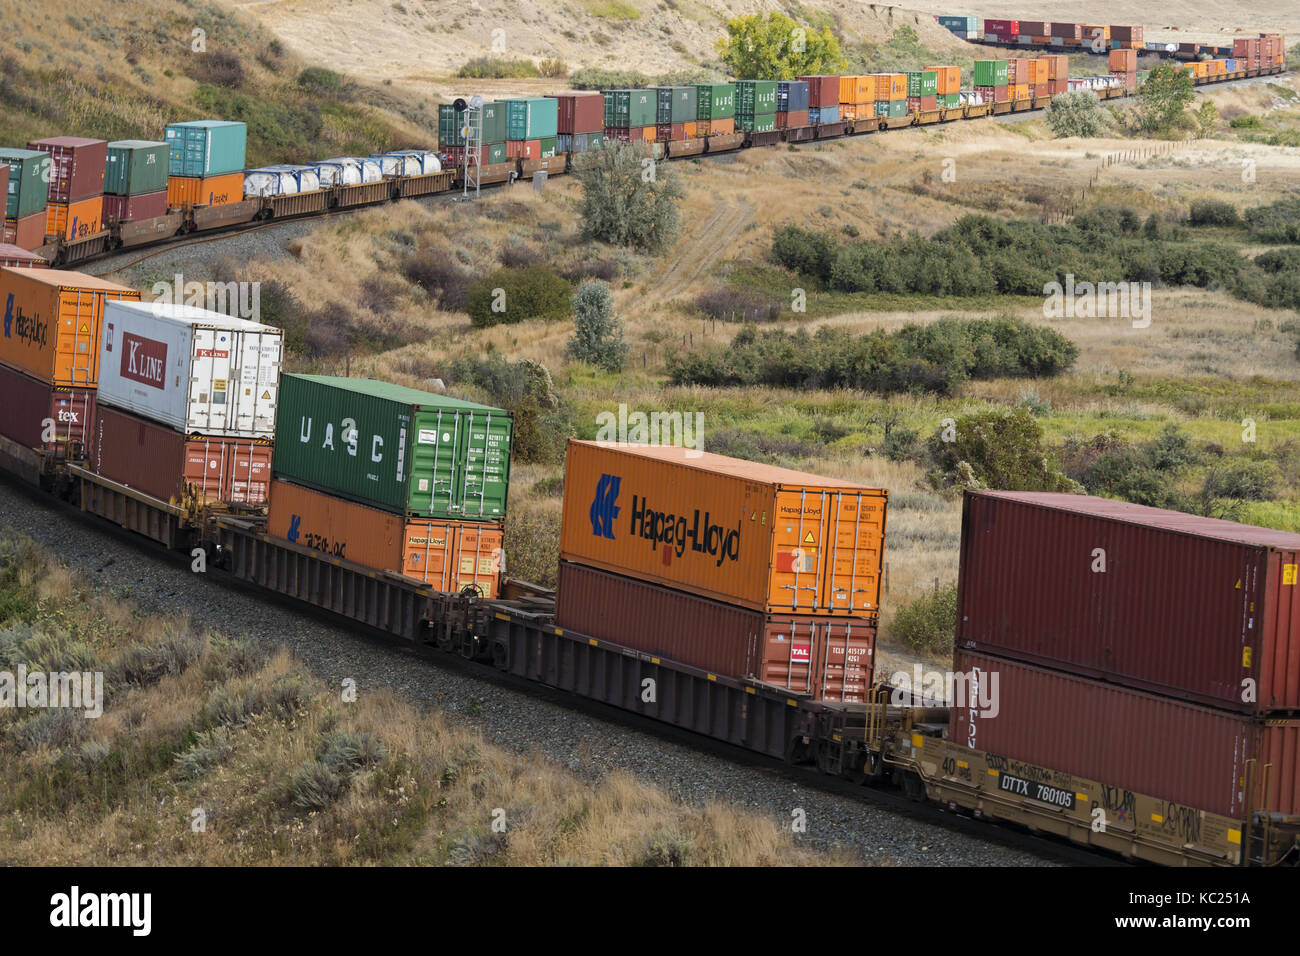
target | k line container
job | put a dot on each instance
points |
(394, 448)
(447, 555)
(1191, 607)
(39, 415)
(136, 167)
(29, 174)
(172, 466)
(52, 323)
(829, 658)
(131, 208)
(16, 257)
(75, 220)
(1194, 757)
(209, 191)
(191, 369)
(76, 167)
(205, 148)
(26, 233)
(765, 538)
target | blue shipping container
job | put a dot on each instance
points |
(792, 96)
(206, 147)
(824, 114)
(965, 24)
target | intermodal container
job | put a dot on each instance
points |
(1058, 66)
(136, 167)
(765, 538)
(1195, 757)
(633, 135)
(891, 86)
(210, 191)
(992, 73)
(722, 127)
(960, 24)
(29, 176)
(205, 148)
(1096, 33)
(548, 147)
(947, 79)
(448, 556)
(76, 167)
(761, 123)
(755, 97)
(1037, 70)
(631, 109)
(677, 104)
(1018, 70)
(394, 448)
(891, 108)
(52, 323)
(16, 257)
(1069, 31)
(523, 149)
(451, 126)
(923, 83)
(581, 142)
(1019, 91)
(715, 101)
(46, 417)
(488, 155)
(1192, 607)
(792, 120)
(1002, 28)
(857, 90)
(131, 208)
(823, 91)
(791, 96)
(580, 113)
(533, 117)
(1033, 27)
(994, 94)
(173, 466)
(26, 233)
(666, 132)
(917, 104)
(1131, 34)
(191, 369)
(828, 658)
(74, 220)
(824, 114)
(949, 100)
(1123, 61)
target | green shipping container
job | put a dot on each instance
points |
(677, 104)
(548, 147)
(992, 72)
(893, 108)
(496, 153)
(29, 178)
(136, 167)
(536, 117)
(925, 83)
(755, 97)
(630, 109)
(206, 147)
(494, 124)
(949, 100)
(450, 126)
(451, 123)
(756, 124)
(394, 448)
(715, 101)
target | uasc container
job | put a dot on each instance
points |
(76, 166)
(1191, 607)
(205, 148)
(52, 323)
(46, 417)
(829, 658)
(136, 167)
(765, 538)
(1194, 757)
(29, 176)
(394, 448)
(716, 101)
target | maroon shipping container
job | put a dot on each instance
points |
(916, 104)
(1131, 34)
(1008, 28)
(822, 90)
(1169, 602)
(667, 131)
(15, 257)
(792, 120)
(76, 166)
(1068, 31)
(134, 208)
(26, 233)
(39, 415)
(1057, 87)
(829, 658)
(581, 113)
(161, 462)
(995, 94)
(633, 135)
(1168, 749)
(1033, 28)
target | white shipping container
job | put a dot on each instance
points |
(394, 165)
(371, 170)
(269, 182)
(338, 172)
(195, 370)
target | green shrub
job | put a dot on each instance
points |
(597, 333)
(928, 624)
(498, 68)
(996, 449)
(319, 81)
(1077, 114)
(508, 296)
(627, 198)
(1277, 222)
(1212, 212)
(596, 78)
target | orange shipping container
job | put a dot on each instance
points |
(447, 555)
(848, 89)
(1037, 72)
(650, 134)
(764, 538)
(75, 220)
(205, 190)
(1058, 66)
(949, 79)
(52, 322)
(717, 127)
(1020, 91)
(865, 90)
(690, 130)
(1123, 61)
(891, 86)
(1095, 31)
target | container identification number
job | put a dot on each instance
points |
(1036, 791)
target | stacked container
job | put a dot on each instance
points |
(993, 78)
(1065, 33)
(1058, 73)
(451, 136)
(857, 97)
(1001, 31)
(1033, 32)
(715, 105)
(756, 105)
(947, 85)
(891, 94)
(922, 91)
(792, 104)
(965, 28)
(75, 199)
(49, 356)
(743, 569)
(1124, 64)
(631, 115)
(393, 478)
(1096, 36)
(187, 403)
(1175, 637)
(823, 98)
(135, 180)
(27, 196)
(531, 127)
(1126, 38)
(581, 122)
(206, 162)
(677, 113)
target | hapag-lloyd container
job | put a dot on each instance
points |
(76, 166)
(52, 323)
(39, 415)
(446, 555)
(1196, 757)
(173, 466)
(829, 658)
(394, 448)
(191, 369)
(1192, 607)
(765, 538)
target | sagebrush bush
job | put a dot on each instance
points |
(1000, 449)
(498, 68)
(1079, 113)
(1212, 212)
(597, 333)
(928, 624)
(627, 198)
(508, 296)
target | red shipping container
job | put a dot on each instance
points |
(1071, 31)
(26, 233)
(916, 104)
(161, 462)
(1168, 749)
(1058, 66)
(16, 257)
(581, 113)
(39, 415)
(1033, 27)
(793, 120)
(1017, 70)
(133, 208)
(829, 658)
(76, 166)
(822, 90)
(995, 94)
(1057, 87)
(1168, 602)
(1004, 28)
(633, 135)
(523, 149)
(666, 131)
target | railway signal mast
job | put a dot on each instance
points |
(471, 129)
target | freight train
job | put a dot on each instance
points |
(188, 216)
